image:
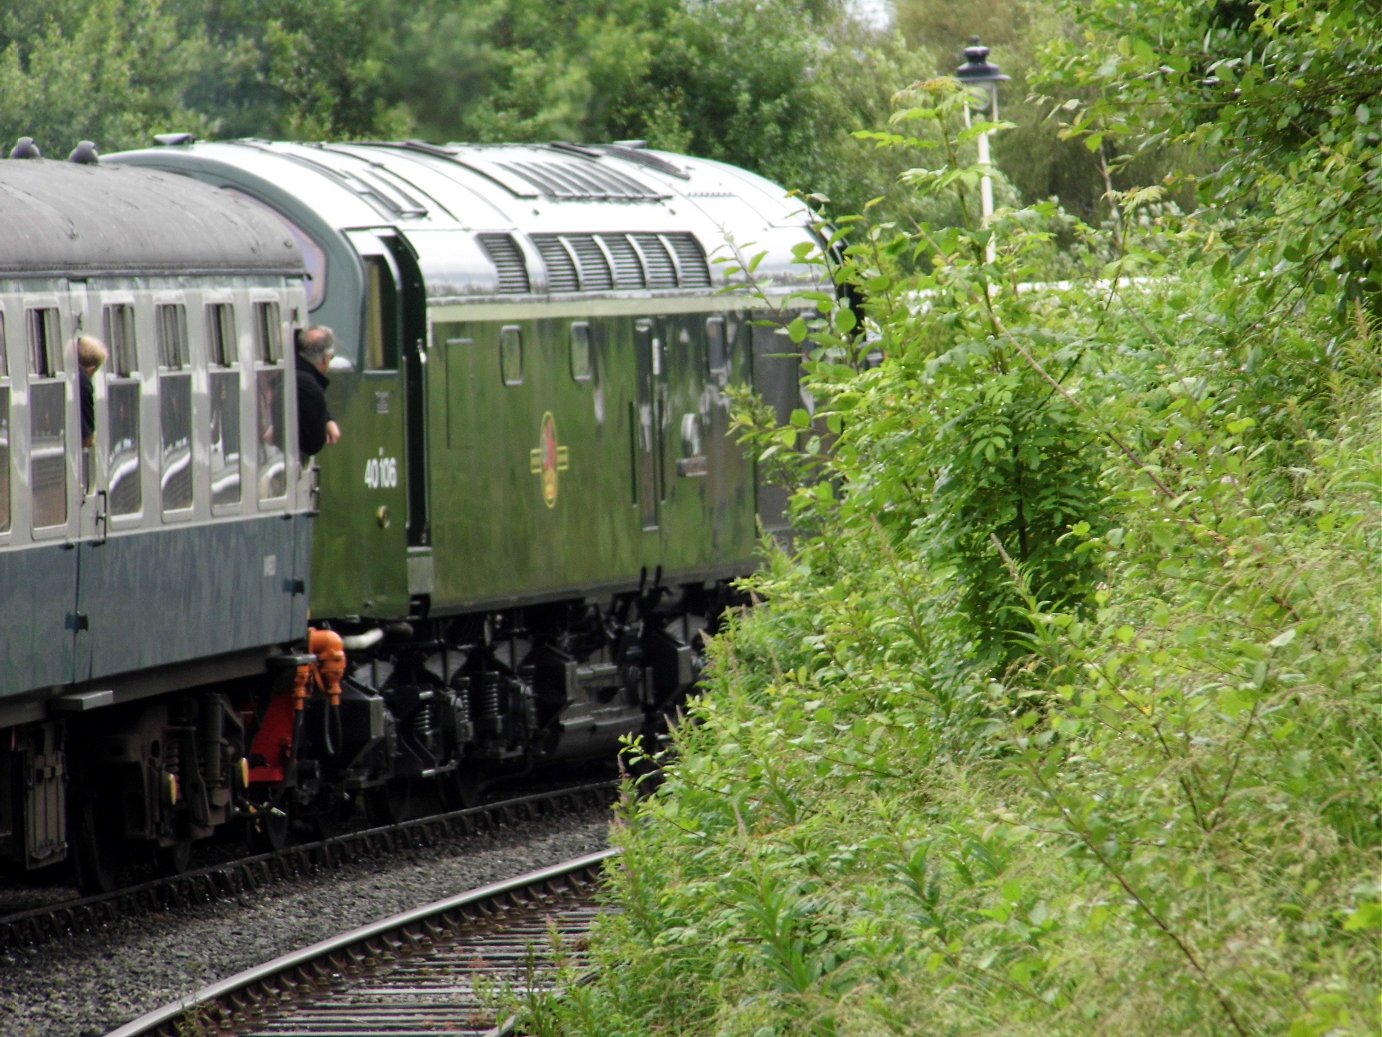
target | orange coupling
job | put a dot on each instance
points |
(301, 680)
(329, 649)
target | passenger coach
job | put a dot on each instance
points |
(107, 599)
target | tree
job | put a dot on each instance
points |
(289, 70)
(110, 71)
(1282, 96)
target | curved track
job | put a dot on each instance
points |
(412, 975)
(239, 877)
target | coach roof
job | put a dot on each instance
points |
(64, 218)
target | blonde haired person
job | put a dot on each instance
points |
(91, 354)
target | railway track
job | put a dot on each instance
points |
(417, 974)
(238, 878)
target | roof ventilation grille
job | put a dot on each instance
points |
(507, 258)
(692, 269)
(657, 261)
(628, 269)
(561, 268)
(574, 180)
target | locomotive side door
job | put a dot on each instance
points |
(368, 499)
(648, 411)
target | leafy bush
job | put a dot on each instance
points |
(1062, 716)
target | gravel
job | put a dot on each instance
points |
(92, 983)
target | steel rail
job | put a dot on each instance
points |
(36, 926)
(242, 1004)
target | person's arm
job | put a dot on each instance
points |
(312, 419)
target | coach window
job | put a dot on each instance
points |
(175, 407)
(124, 473)
(581, 367)
(268, 357)
(47, 419)
(4, 430)
(716, 355)
(224, 387)
(511, 354)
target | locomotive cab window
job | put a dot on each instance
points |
(511, 354)
(123, 472)
(381, 314)
(270, 459)
(4, 431)
(175, 407)
(47, 419)
(582, 368)
(223, 386)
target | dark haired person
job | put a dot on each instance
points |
(316, 429)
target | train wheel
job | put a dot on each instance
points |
(174, 859)
(98, 848)
(460, 788)
(389, 803)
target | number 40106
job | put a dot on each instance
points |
(381, 473)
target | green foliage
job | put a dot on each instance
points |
(110, 71)
(292, 71)
(1062, 716)
(1284, 92)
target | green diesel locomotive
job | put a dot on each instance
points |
(536, 508)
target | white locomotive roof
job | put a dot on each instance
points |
(70, 219)
(496, 219)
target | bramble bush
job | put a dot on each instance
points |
(1061, 717)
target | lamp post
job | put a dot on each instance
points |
(979, 75)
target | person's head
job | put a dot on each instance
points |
(91, 353)
(317, 345)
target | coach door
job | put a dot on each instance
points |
(38, 422)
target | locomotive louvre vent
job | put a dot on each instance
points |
(378, 186)
(628, 268)
(657, 261)
(577, 180)
(692, 269)
(594, 267)
(600, 262)
(561, 268)
(507, 258)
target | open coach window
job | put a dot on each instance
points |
(122, 402)
(223, 384)
(268, 362)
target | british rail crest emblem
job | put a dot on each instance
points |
(548, 459)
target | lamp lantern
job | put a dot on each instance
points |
(979, 75)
